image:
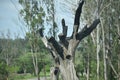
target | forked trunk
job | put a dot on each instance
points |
(66, 66)
(63, 52)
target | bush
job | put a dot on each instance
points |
(3, 71)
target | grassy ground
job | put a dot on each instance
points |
(26, 76)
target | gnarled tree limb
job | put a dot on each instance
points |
(57, 47)
(78, 13)
(86, 31)
(63, 35)
(47, 44)
(77, 19)
(65, 28)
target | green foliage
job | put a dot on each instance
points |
(33, 14)
(108, 13)
(13, 69)
(3, 70)
(25, 63)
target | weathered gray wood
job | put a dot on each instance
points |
(64, 52)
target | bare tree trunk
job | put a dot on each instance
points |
(98, 49)
(53, 74)
(44, 72)
(104, 54)
(68, 71)
(118, 53)
(88, 67)
(63, 52)
(119, 65)
(99, 5)
(33, 60)
(35, 63)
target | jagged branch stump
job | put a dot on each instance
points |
(63, 52)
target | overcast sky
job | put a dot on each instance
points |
(9, 20)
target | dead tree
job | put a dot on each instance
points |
(63, 51)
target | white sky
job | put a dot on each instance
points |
(9, 18)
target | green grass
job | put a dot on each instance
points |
(21, 76)
(42, 74)
(26, 76)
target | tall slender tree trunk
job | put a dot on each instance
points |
(88, 66)
(119, 65)
(35, 64)
(98, 49)
(104, 54)
(98, 44)
(118, 53)
(33, 59)
(45, 71)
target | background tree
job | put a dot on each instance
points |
(51, 17)
(10, 51)
(105, 8)
(99, 8)
(33, 15)
(97, 50)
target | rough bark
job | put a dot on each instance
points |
(63, 52)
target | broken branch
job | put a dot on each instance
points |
(77, 19)
(86, 31)
(56, 46)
